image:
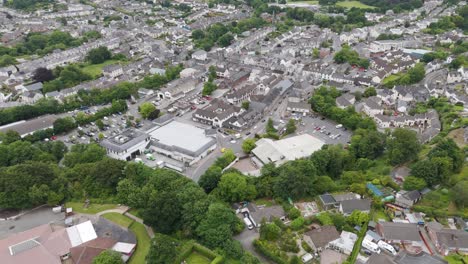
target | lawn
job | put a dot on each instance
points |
(351, 4)
(92, 209)
(391, 78)
(380, 214)
(143, 243)
(458, 136)
(135, 212)
(303, 2)
(197, 258)
(119, 219)
(456, 259)
(95, 70)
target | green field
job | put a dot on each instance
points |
(456, 259)
(143, 243)
(351, 4)
(119, 219)
(95, 70)
(92, 209)
(197, 258)
(390, 78)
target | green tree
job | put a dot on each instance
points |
(248, 145)
(270, 232)
(210, 179)
(290, 127)
(63, 125)
(403, 146)
(233, 187)
(369, 92)
(269, 126)
(98, 55)
(146, 109)
(460, 195)
(246, 105)
(209, 88)
(163, 250)
(108, 257)
(414, 183)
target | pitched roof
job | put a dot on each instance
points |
(357, 204)
(322, 235)
(400, 231)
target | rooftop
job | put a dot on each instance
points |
(26, 127)
(182, 137)
(286, 149)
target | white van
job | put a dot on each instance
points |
(367, 244)
(248, 223)
(339, 126)
(386, 246)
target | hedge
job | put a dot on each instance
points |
(262, 247)
(191, 247)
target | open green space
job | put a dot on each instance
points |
(351, 4)
(78, 207)
(197, 258)
(95, 70)
(119, 219)
(143, 243)
(391, 78)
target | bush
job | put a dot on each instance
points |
(270, 251)
(294, 213)
(306, 247)
(297, 223)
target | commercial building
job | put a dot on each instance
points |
(127, 145)
(182, 142)
(281, 151)
(28, 127)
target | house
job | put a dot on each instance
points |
(371, 106)
(298, 107)
(345, 100)
(112, 71)
(178, 88)
(345, 243)
(328, 201)
(127, 145)
(216, 113)
(321, 236)
(448, 240)
(29, 88)
(349, 206)
(259, 213)
(407, 199)
(31, 97)
(402, 233)
(200, 55)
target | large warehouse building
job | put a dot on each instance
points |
(281, 151)
(182, 142)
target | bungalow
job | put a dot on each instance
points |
(401, 233)
(259, 213)
(321, 236)
(448, 240)
(349, 206)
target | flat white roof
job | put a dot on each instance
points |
(287, 149)
(182, 136)
(122, 247)
(81, 233)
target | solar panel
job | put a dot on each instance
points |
(24, 246)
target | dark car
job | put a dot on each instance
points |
(263, 120)
(323, 118)
(248, 133)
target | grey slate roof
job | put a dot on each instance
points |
(400, 231)
(357, 204)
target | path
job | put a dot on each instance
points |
(123, 210)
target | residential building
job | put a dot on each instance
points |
(217, 113)
(407, 199)
(349, 206)
(321, 236)
(448, 241)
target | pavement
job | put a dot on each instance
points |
(246, 239)
(30, 219)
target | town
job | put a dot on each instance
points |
(234, 131)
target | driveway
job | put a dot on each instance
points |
(246, 239)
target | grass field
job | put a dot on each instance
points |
(95, 70)
(379, 214)
(119, 219)
(458, 136)
(391, 78)
(197, 258)
(351, 4)
(143, 243)
(135, 212)
(92, 209)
